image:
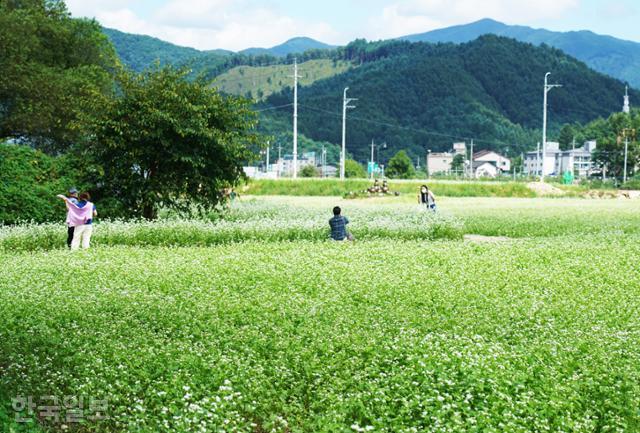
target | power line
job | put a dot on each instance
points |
(422, 131)
(274, 108)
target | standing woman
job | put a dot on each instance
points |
(81, 216)
(427, 199)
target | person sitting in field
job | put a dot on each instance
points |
(338, 226)
(427, 199)
(80, 216)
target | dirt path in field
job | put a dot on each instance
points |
(480, 239)
(543, 189)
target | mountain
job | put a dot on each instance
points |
(615, 57)
(292, 46)
(139, 51)
(419, 96)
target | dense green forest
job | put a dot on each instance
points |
(615, 57)
(420, 96)
(138, 52)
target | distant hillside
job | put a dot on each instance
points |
(615, 57)
(260, 82)
(292, 46)
(139, 51)
(423, 96)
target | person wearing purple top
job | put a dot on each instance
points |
(80, 216)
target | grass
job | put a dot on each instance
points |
(262, 81)
(391, 333)
(334, 187)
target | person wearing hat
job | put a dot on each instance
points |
(73, 198)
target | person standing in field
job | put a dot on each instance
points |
(73, 198)
(426, 198)
(81, 216)
(338, 225)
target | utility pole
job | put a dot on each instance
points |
(279, 159)
(295, 118)
(345, 106)
(547, 88)
(324, 161)
(626, 150)
(266, 170)
(627, 132)
(473, 174)
(371, 167)
(538, 159)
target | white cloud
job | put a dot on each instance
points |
(415, 16)
(206, 24)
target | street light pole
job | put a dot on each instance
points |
(371, 166)
(547, 88)
(343, 153)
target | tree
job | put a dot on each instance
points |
(309, 171)
(51, 66)
(400, 166)
(457, 164)
(610, 136)
(169, 142)
(353, 169)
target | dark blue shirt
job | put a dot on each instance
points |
(338, 226)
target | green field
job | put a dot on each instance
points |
(262, 81)
(274, 328)
(336, 187)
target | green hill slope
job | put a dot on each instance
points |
(260, 82)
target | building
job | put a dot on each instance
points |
(556, 161)
(487, 163)
(439, 162)
(285, 164)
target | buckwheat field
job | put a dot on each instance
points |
(255, 322)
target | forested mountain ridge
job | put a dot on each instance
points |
(420, 96)
(612, 56)
(292, 46)
(140, 51)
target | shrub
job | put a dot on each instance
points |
(29, 182)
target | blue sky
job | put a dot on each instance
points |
(239, 24)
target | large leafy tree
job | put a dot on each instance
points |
(165, 141)
(51, 65)
(400, 166)
(353, 169)
(610, 135)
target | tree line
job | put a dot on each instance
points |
(137, 141)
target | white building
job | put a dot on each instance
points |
(285, 164)
(488, 163)
(579, 161)
(440, 162)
